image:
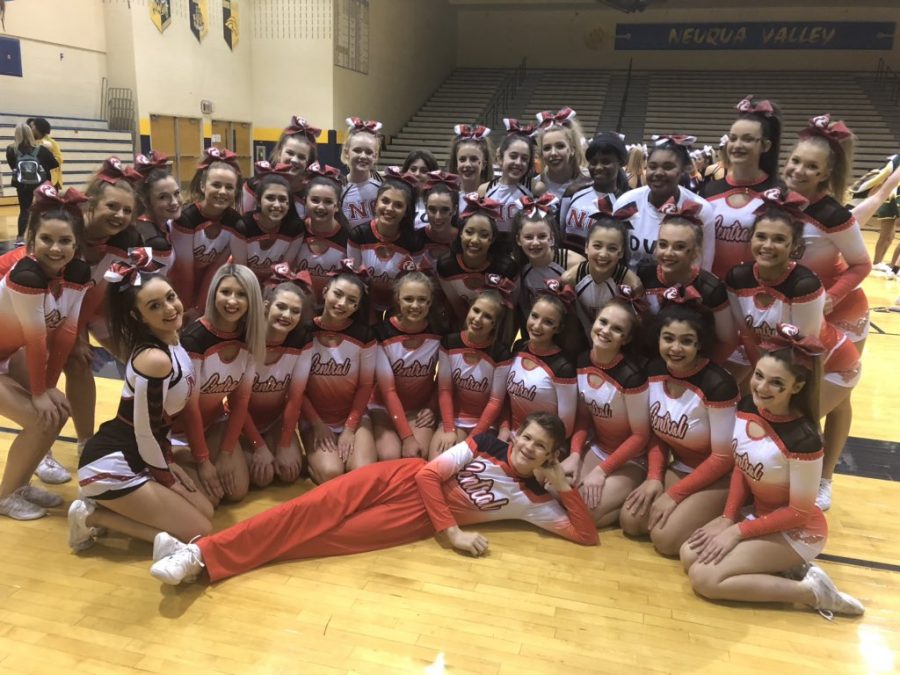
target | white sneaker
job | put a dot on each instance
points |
(829, 600)
(18, 508)
(183, 565)
(883, 269)
(52, 472)
(164, 545)
(39, 496)
(823, 498)
(81, 535)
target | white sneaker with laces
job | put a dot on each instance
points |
(164, 545)
(52, 472)
(823, 498)
(18, 508)
(883, 268)
(829, 600)
(183, 565)
(39, 496)
(81, 535)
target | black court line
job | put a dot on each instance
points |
(859, 562)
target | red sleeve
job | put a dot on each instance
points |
(295, 398)
(238, 402)
(364, 387)
(431, 477)
(251, 433)
(657, 459)
(849, 241)
(181, 273)
(738, 492)
(208, 274)
(582, 427)
(721, 457)
(637, 407)
(193, 420)
(726, 334)
(445, 391)
(495, 403)
(581, 528)
(28, 304)
(62, 340)
(309, 412)
(387, 385)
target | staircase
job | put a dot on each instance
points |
(632, 125)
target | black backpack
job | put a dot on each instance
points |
(28, 168)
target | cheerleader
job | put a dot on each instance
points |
(159, 203)
(561, 144)
(606, 156)
(272, 234)
(226, 345)
(692, 408)
(677, 277)
(202, 237)
(336, 432)
(400, 502)
(613, 411)
(753, 144)
(270, 441)
(441, 196)
(418, 164)
(386, 242)
(472, 369)
(402, 413)
(471, 158)
(475, 257)
(40, 301)
(751, 554)
(516, 159)
(128, 477)
(665, 166)
(636, 166)
(360, 153)
(324, 246)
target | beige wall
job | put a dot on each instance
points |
(412, 49)
(501, 37)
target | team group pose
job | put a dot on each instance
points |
(679, 350)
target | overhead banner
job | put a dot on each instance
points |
(844, 35)
(199, 12)
(231, 22)
(161, 14)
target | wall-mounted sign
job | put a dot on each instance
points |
(231, 22)
(161, 14)
(199, 18)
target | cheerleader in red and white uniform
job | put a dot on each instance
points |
(606, 157)
(472, 369)
(389, 240)
(441, 199)
(403, 410)
(471, 158)
(226, 345)
(475, 258)
(270, 440)
(295, 151)
(752, 148)
(676, 277)
(336, 431)
(360, 153)
(324, 245)
(129, 481)
(613, 412)
(560, 143)
(692, 408)
(159, 204)
(399, 502)
(753, 554)
(273, 233)
(40, 302)
(202, 236)
(665, 166)
(516, 159)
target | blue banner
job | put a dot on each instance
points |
(756, 35)
(10, 57)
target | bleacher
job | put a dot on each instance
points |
(84, 143)
(582, 90)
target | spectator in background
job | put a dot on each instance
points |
(41, 130)
(31, 164)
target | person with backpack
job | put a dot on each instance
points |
(41, 130)
(31, 164)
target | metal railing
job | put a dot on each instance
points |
(120, 108)
(498, 106)
(887, 80)
(624, 98)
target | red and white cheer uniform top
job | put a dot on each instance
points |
(541, 381)
(471, 382)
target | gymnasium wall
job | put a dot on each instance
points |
(63, 45)
(584, 38)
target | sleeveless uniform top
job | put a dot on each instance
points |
(575, 211)
(358, 201)
(321, 254)
(384, 257)
(259, 250)
(591, 296)
(507, 195)
(461, 284)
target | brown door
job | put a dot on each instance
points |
(221, 130)
(243, 146)
(190, 147)
(162, 138)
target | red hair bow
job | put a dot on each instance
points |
(395, 173)
(144, 164)
(408, 264)
(506, 287)
(113, 170)
(466, 132)
(324, 170)
(349, 266)
(214, 154)
(128, 273)
(638, 303)
(513, 126)
(605, 210)
(689, 211)
(264, 168)
(451, 180)
(833, 132)
(788, 200)
(681, 140)
(545, 204)
(562, 291)
(547, 119)
(803, 348)
(282, 273)
(484, 205)
(681, 294)
(358, 124)
(299, 125)
(747, 105)
(49, 195)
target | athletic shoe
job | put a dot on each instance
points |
(829, 600)
(883, 269)
(52, 472)
(18, 508)
(796, 573)
(81, 535)
(183, 565)
(823, 498)
(164, 545)
(40, 496)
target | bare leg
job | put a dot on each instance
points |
(433, 450)
(241, 474)
(885, 237)
(838, 411)
(323, 466)
(387, 441)
(693, 512)
(617, 487)
(363, 446)
(81, 390)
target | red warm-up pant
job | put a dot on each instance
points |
(374, 507)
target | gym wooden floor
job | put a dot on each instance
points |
(536, 604)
